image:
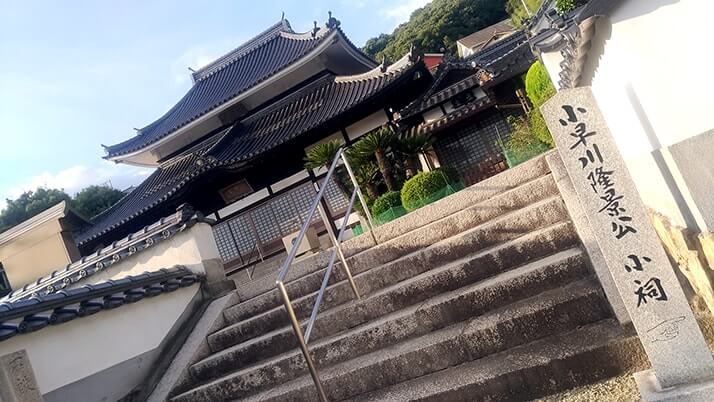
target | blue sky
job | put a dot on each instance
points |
(77, 74)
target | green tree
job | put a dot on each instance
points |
(29, 204)
(376, 45)
(321, 155)
(378, 142)
(410, 148)
(518, 13)
(93, 200)
(437, 25)
(529, 133)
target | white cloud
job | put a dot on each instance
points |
(78, 177)
(401, 11)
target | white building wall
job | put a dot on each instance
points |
(649, 68)
(188, 248)
(69, 360)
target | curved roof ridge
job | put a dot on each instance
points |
(405, 61)
(307, 35)
(247, 47)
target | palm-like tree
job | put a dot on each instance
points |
(377, 143)
(411, 147)
(322, 155)
(367, 175)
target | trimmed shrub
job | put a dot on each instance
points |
(538, 86)
(539, 89)
(386, 201)
(422, 186)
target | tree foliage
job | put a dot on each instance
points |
(377, 143)
(386, 201)
(518, 12)
(92, 200)
(29, 204)
(539, 88)
(321, 155)
(88, 203)
(529, 133)
(566, 6)
(437, 25)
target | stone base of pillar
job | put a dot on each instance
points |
(650, 390)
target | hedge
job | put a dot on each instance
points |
(423, 186)
(386, 201)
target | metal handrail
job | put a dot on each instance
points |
(303, 337)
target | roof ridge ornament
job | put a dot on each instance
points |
(413, 56)
(383, 65)
(315, 29)
(332, 22)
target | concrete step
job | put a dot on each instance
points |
(475, 194)
(556, 311)
(553, 364)
(414, 240)
(503, 229)
(450, 277)
(434, 313)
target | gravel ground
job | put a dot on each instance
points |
(617, 389)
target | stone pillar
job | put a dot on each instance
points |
(582, 226)
(17, 380)
(631, 249)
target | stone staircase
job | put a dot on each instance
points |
(484, 295)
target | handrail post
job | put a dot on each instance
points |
(362, 200)
(301, 341)
(306, 224)
(336, 244)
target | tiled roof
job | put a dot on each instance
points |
(451, 118)
(30, 315)
(569, 34)
(504, 55)
(228, 77)
(496, 63)
(137, 242)
(487, 34)
(304, 110)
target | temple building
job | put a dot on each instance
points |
(242, 129)
(233, 146)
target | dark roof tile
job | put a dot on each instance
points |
(29, 315)
(228, 77)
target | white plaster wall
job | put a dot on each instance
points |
(63, 354)
(651, 84)
(188, 248)
(244, 202)
(551, 62)
(432, 114)
(289, 181)
(662, 48)
(376, 119)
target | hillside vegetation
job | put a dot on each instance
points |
(437, 26)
